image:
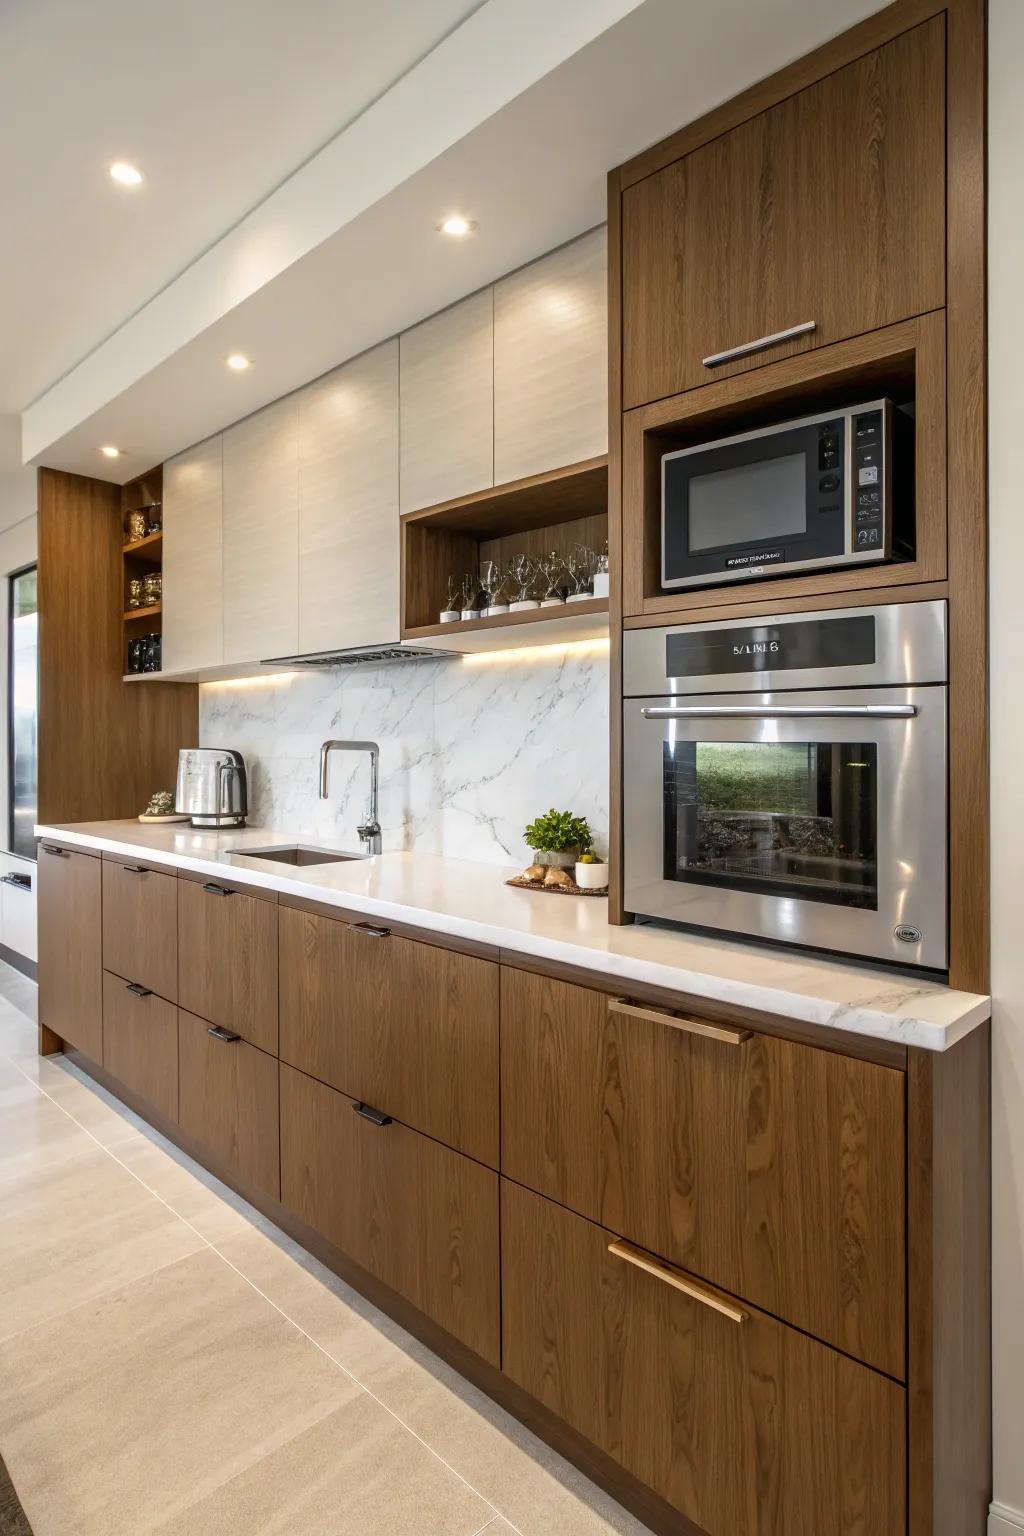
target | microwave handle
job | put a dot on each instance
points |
(746, 347)
(779, 711)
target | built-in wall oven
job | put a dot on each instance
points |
(785, 778)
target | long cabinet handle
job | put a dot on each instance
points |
(375, 1116)
(746, 347)
(138, 989)
(227, 1035)
(134, 869)
(371, 930)
(212, 889)
(58, 853)
(723, 1032)
(692, 1288)
(779, 711)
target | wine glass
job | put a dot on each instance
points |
(453, 602)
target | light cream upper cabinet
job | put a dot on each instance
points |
(261, 528)
(551, 361)
(348, 504)
(447, 404)
(193, 610)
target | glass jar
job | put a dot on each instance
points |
(135, 590)
(136, 655)
(154, 517)
(152, 588)
(136, 526)
(151, 656)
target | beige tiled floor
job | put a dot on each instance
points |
(170, 1362)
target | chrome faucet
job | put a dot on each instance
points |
(369, 830)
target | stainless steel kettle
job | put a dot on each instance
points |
(211, 787)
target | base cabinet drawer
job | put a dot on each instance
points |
(420, 1217)
(69, 893)
(140, 1043)
(228, 1100)
(140, 925)
(770, 1168)
(747, 1427)
(227, 959)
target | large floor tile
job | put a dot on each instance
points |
(129, 1408)
(75, 1230)
(215, 1211)
(37, 1134)
(355, 1473)
(95, 1110)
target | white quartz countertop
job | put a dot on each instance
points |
(471, 901)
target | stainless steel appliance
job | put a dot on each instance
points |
(832, 489)
(211, 787)
(785, 778)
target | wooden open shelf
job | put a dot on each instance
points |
(150, 548)
(553, 511)
(138, 558)
(131, 614)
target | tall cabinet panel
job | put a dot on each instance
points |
(193, 558)
(348, 504)
(261, 526)
(447, 404)
(551, 361)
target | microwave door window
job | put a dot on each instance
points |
(796, 819)
(748, 504)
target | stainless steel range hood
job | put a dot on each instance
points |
(355, 656)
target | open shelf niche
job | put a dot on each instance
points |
(553, 511)
(140, 557)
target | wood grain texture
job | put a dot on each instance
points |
(228, 1100)
(140, 1044)
(69, 894)
(748, 1429)
(227, 961)
(835, 198)
(193, 557)
(557, 495)
(407, 1027)
(103, 746)
(415, 1214)
(616, 906)
(140, 925)
(261, 543)
(916, 592)
(551, 360)
(767, 1168)
(446, 373)
(348, 504)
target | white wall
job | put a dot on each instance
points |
(1006, 355)
(17, 480)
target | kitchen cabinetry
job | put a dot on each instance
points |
(228, 1100)
(70, 893)
(193, 558)
(227, 958)
(261, 544)
(140, 1043)
(411, 1212)
(395, 1022)
(140, 925)
(827, 208)
(348, 504)
(446, 371)
(551, 361)
(745, 1426)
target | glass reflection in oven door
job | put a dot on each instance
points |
(773, 818)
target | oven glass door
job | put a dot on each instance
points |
(814, 818)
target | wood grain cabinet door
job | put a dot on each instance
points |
(227, 959)
(261, 534)
(409, 1027)
(420, 1217)
(551, 360)
(446, 383)
(829, 207)
(193, 598)
(69, 893)
(140, 1043)
(140, 925)
(747, 1427)
(769, 1168)
(228, 1100)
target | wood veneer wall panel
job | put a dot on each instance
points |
(104, 746)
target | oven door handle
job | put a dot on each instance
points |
(779, 711)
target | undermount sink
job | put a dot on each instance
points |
(298, 854)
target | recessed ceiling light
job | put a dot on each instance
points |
(125, 174)
(455, 224)
(110, 452)
(239, 362)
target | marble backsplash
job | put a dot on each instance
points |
(471, 749)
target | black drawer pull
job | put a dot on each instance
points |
(134, 869)
(373, 1115)
(217, 890)
(59, 853)
(371, 930)
(218, 1033)
(139, 989)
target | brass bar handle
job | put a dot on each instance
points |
(726, 1033)
(746, 347)
(692, 1288)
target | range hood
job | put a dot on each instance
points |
(355, 656)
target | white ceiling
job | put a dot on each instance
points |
(515, 117)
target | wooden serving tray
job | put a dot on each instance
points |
(554, 890)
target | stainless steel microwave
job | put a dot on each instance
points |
(785, 778)
(833, 489)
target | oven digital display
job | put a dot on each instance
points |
(748, 503)
(842, 642)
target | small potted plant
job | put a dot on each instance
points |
(559, 838)
(591, 872)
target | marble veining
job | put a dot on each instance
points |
(470, 749)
